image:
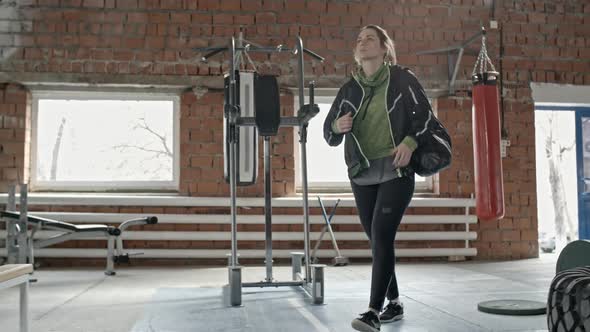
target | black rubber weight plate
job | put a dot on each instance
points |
(575, 254)
(513, 307)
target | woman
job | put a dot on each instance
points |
(382, 111)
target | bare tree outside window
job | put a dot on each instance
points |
(93, 141)
(56, 147)
(162, 151)
(554, 152)
(556, 176)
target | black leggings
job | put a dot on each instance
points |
(381, 208)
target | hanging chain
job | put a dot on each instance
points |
(483, 59)
(239, 60)
(250, 60)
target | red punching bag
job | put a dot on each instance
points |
(489, 185)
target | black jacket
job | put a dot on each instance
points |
(409, 112)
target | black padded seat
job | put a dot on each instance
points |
(60, 225)
(92, 228)
(49, 223)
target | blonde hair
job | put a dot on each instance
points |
(385, 41)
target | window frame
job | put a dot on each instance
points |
(327, 96)
(101, 186)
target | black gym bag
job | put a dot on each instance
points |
(434, 152)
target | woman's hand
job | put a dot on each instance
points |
(401, 155)
(344, 123)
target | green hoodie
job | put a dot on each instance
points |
(371, 125)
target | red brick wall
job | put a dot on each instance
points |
(15, 122)
(113, 41)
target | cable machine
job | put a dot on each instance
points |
(267, 121)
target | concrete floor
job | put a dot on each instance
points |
(437, 297)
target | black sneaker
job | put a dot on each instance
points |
(367, 322)
(393, 311)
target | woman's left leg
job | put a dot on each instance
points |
(393, 198)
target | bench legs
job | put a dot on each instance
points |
(110, 256)
(24, 307)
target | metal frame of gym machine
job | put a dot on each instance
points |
(313, 281)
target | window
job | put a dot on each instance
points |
(102, 141)
(326, 168)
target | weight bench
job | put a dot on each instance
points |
(75, 232)
(18, 274)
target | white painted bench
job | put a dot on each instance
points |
(13, 275)
(460, 237)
